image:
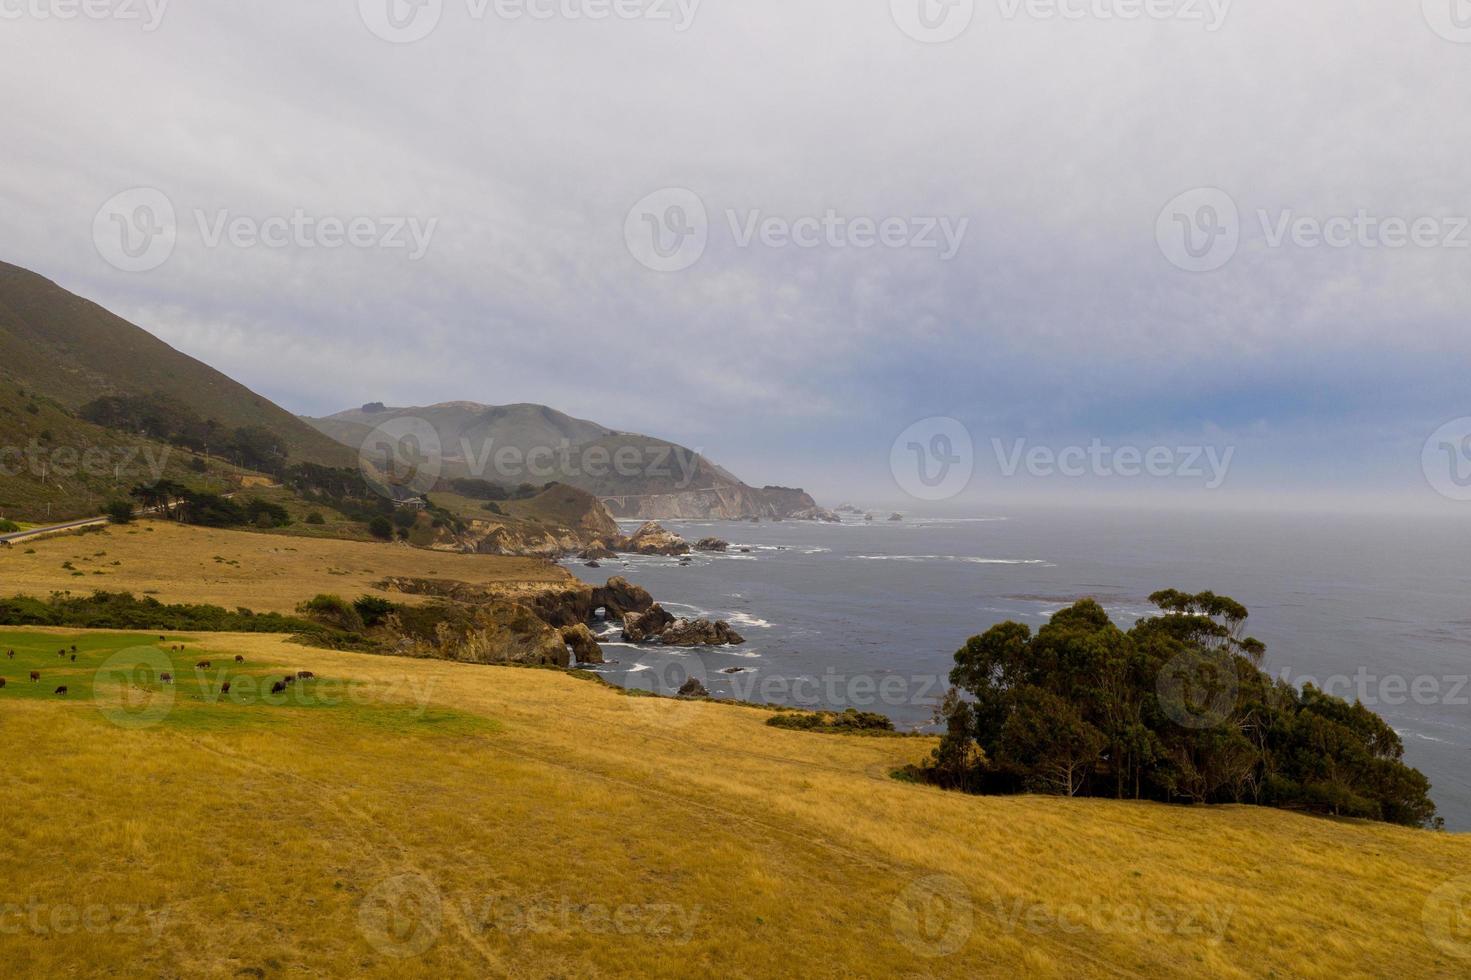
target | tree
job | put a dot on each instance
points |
(1050, 743)
(1175, 709)
(119, 512)
(381, 527)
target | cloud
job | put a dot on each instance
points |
(1059, 141)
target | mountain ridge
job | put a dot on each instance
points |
(636, 476)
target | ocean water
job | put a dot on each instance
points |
(869, 615)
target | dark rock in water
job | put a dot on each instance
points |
(692, 688)
(580, 639)
(734, 670)
(745, 551)
(896, 517)
(642, 627)
(699, 633)
(711, 544)
(621, 597)
(592, 564)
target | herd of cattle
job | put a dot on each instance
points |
(279, 687)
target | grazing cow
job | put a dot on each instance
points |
(61, 654)
(10, 654)
(279, 687)
(166, 678)
(225, 688)
(74, 658)
(203, 665)
(2, 682)
(61, 690)
(74, 648)
(305, 675)
(35, 676)
(239, 659)
(162, 639)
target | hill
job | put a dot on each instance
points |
(636, 476)
(72, 351)
(430, 819)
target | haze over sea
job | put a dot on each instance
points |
(868, 615)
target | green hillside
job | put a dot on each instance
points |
(72, 351)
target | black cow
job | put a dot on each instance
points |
(35, 676)
(61, 690)
(279, 687)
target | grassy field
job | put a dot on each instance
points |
(262, 572)
(422, 818)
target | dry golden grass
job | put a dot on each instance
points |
(262, 572)
(503, 816)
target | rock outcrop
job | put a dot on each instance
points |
(700, 633)
(653, 539)
(711, 544)
(620, 597)
(816, 514)
(658, 625)
(692, 688)
(583, 644)
(646, 626)
(498, 632)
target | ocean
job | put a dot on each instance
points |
(869, 615)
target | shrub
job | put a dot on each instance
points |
(315, 517)
(333, 611)
(265, 514)
(381, 527)
(373, 609)
(8, 527)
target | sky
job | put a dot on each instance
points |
(842, 244)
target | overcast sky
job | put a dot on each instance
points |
(996, 230)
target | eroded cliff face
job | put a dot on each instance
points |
(735, 502)
(495, 632)
(530, 626)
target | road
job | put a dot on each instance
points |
(36, 532)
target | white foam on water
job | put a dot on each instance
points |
(746, 619)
